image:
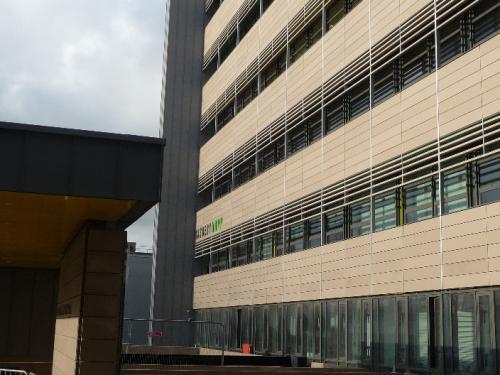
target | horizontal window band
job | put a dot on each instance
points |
(310, 106)
(409, 167)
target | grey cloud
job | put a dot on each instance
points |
(84, 64)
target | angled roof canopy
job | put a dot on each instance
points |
(53, 180)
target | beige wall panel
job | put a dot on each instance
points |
(304, 75)
(356, 35)
(303, 173)
(333, 45)
(220, 19)
(460, 92)
(490, 75)
(217, 148)
(407, 8)
(384, 18)
(357, 145)
(272, 102)
(386, 130)
(418, 113)
(273, 21)
(333, 157)
(269, 190)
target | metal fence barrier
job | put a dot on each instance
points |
(4, 371)
(168, 342)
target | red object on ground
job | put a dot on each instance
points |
(247, 348)
(156, 333)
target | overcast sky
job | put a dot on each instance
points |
(85, 64)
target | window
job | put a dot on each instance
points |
(334, 226)
(314, 131)
(451, 40)
(360, 219)
(266, 4)
(386, 211)
(485, 20)
(260, 317)
(359, 100)
(225, 116)
(386, 82)
(334, 13)
(271, 155)
(418, 61)
(387, 332)
(227, 47)
(297, 139)
(334, 115)
(314, 232)
(489, 181)
(331, 330)
(250, 19)
(244, 172)
(222, 186)
(354, 331)
(295, 238)
(305, 40)
(463, 333)
(248, 94)
(241, 254)
(273, 70)
(205, 198)
(274, 318)
(455, 197)
(264, 247)
(207, 132)
(419, 202)
(293, 329)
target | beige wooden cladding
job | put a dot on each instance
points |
(340, 46)
(219, 21)
(401, 260)
(399, 124)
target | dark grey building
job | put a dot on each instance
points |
(173, 256)
(137, 292)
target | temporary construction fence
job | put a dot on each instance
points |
(5, 371)
(168, 342)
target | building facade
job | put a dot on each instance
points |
(348, 180)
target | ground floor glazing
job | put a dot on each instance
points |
(447, 332)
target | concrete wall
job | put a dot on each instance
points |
(173, 256)
(137, 296)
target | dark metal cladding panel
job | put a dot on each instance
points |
(94, 168)
(173, 277)
(38, 159)
(28, 312)
(11, 159)
(139, 171)
(47, 163)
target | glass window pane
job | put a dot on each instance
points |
(360, 219)
(354, 331)
(401, 333)
(486, 351)
(489, 181)
(463, 332)
(295, 238)
(384, 212)
(334, 226)
(418, 331)
(314, 232)
(455, 191)
(331, 330)
(274, 328)
(308, 317)
(418, 202)
(291, 332)
(334, 13)
(387, 332)
(342, 332)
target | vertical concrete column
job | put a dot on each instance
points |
(90, 300)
